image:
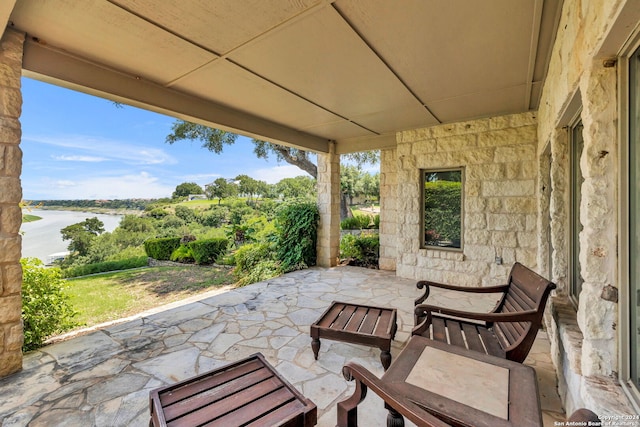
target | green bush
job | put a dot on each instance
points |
(162, 248)
(254, 262)
(45, 307)
(101, 267)
(206, 251)
(182, 254)
(360, 250)
(296, 226)
(357, 222)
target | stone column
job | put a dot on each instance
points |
(328, 246)
(11, 334)
(598, 306)
(388, 209)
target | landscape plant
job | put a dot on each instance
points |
(206, 251)
(161, 248)
(296, 227)
(45, 307)
(360, 250)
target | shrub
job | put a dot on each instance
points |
(45, 308)
(214, 217)
(162, 248)
(182, 254)
(185, 214)
(296, 225)
(357, 222)
(360, 250)
(206, 251)
(102, 267)
(376, 222)
(254, 262)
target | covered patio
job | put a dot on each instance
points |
(103, 378)
(534, 103)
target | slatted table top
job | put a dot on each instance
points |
(356, 319)
(249, 392)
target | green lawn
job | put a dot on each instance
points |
(110, 296)
(30, 218)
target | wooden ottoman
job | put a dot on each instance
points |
(247, 391)
(357, 324)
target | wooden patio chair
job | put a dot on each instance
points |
(508, 331)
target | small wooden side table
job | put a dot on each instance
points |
(357, 324)
(247, 391)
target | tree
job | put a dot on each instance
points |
(82, 234)
(221, 188)
(186, 188)
(300, 186)
(215, 139)
(351, 182)
(247, 185)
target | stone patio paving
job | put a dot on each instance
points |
(103, 378)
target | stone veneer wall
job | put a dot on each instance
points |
(584, 344)
(500, 207)
(10, 197)
(388, 209)
(328, 245)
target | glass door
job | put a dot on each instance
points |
(577, 146)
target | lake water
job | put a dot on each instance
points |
(42, 238)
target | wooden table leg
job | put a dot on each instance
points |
(385, 358)
(315, 346)
(394, 419)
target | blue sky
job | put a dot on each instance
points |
(77, 146)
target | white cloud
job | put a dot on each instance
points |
(273, 175)
(79, 158)
(139, 185)
(107, 149)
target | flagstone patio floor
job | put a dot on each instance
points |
(103, 378)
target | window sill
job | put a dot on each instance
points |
(451, 254)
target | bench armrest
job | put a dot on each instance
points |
(426, 284)
(347, 409)
(423, 310)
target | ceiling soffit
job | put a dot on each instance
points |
(344, 70)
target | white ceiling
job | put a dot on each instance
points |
(299, 72)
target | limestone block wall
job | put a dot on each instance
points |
(500, 198)
(328, 245)
(388, 209)
(10, 195)
(585, 344)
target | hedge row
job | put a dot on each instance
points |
(161, 249)
(102, 267)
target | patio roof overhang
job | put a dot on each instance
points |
(299, 73)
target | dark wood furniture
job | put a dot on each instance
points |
(357, 324)
(508, 331)
(248, 392)
(434, 384)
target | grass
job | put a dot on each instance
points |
(30, 218)
(105, 297)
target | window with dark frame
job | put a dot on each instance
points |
(442, 192)
(577, 146)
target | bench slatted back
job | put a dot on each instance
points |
(527, 291)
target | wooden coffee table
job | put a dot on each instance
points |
(457, 386)
(357, 324)
(248, 391)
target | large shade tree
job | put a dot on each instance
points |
(214, 140)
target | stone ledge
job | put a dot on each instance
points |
(569, 332)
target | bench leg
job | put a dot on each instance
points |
(394, 419)
(385, 358)
(315, 346)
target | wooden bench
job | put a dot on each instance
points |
(249, 391)
(357, 324)
(508, 331)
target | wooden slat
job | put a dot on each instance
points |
(455, 333)
(343, 318)
(254, 410)
(169, 397)
(356, 319)
(490, 342)
(473, 338)
(525, 301)
(439, 329)
(370, 321)
(509, 331)
(331, 316)
(233, 400)
(276, 416)
(383, 323)
(202, 400)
